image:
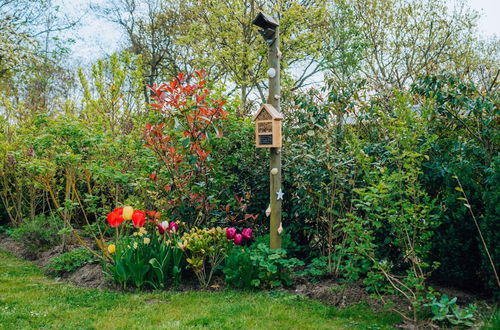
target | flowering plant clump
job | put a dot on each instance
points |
(149, 255)
(153, 253)
(231, 234)
(206, 249)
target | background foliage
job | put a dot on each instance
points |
(385, 102)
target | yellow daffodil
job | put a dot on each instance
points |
(146, 240)
(135, 245)
(182, 245)
(111, 248)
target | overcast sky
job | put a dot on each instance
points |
(97, 37)
(489, 23)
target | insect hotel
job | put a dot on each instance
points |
(268, 127)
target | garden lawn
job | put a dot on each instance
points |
(28, 299)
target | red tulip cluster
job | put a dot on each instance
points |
(120, 214)
(238, 238)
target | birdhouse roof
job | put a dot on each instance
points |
(275, 115)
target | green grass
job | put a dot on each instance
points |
(28, 299)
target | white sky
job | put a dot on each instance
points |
(97, 37)
(489, 24)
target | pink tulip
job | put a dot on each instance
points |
(160, 229)
(174, 227)
(230, 232)
(238, 239)
(247, 233)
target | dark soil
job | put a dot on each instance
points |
(9, 244)
(89, 276)
(329, 291)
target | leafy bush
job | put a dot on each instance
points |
(393, 218)
(40, 233)
(316, 268)
(259, 267)
(6, 229)
(465, 119)
(70, 261)
(446, 312)
(287, 243)
(190, 116)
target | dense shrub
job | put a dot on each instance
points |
(40, 233)
(465, 121)
(329, 132)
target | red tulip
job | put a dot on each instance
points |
(173, 227)
(115, 218)
(230, 232)
(238, 239)
(138, 218)
(247, 233)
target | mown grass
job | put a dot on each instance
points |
(28, 299)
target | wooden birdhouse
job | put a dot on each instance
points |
(268, 127)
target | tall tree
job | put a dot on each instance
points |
(403, 39)
(222, 34)
(153, 29)
(32, 79)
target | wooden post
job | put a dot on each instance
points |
(275, 153)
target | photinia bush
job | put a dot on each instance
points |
(189, 118)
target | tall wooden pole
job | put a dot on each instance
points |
(275, 153)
